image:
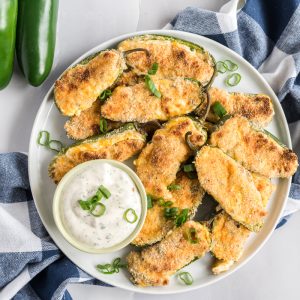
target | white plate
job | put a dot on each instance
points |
(48, 118)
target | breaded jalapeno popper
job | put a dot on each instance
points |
(254, 148)
(231, 185)
(154, 265)
(175, 57)
(137, 103)
(228, 236)
(160, 160)
(79, 86)
(257, 108)
(157, 225)
(119, 144)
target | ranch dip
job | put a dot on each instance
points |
(110, 228)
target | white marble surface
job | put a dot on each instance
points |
(274, 273)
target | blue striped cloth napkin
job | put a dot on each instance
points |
(263, 32)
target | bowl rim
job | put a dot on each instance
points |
(57, 202)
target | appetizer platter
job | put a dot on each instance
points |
(208, 150)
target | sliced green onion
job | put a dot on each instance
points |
(182, 217)
(171, 212)
(230, 65)
(219, 109)
(162, 202)
(174, 187)
(112, 268)
(103, 125)
(188, 168)
(149, 202)
(133, 217)
(186, 277)
(98, 209)
(43, 138)
(221, 67)
(233, 79)
(85, 205)
(191, 235)
(56, 145)
(99, 194)
(105, 269)
(105, 94)
(151, 86)
(106, 193)
(153, 69)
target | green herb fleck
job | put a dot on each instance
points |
(219, 109)
(174, 187)
(105, 94)
(103, 125)
(151, 86)
(153, 69)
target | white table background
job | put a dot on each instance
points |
(274, 273)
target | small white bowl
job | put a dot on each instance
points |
(58, 213)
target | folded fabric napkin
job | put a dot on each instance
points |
(263, 32)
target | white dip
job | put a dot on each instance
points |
(111, 228)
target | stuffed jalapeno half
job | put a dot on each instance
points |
(160, 160)
(231, 185)
(137, 103)
(257, 108)
(256, 149)
(79, 86)
(175, 57)
(119, 144)
(154, 265)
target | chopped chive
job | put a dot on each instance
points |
(230, 65)
(151, 86)
(153, 69)
(174, 187)
(149, 201)
(98, 209)
(103, 125)
(186, 277)
(106, 193)
(221, 67)
(219, 109)
(105, 94)
(133, 213)
(182, 217)
(188, 168)
(233, 79)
